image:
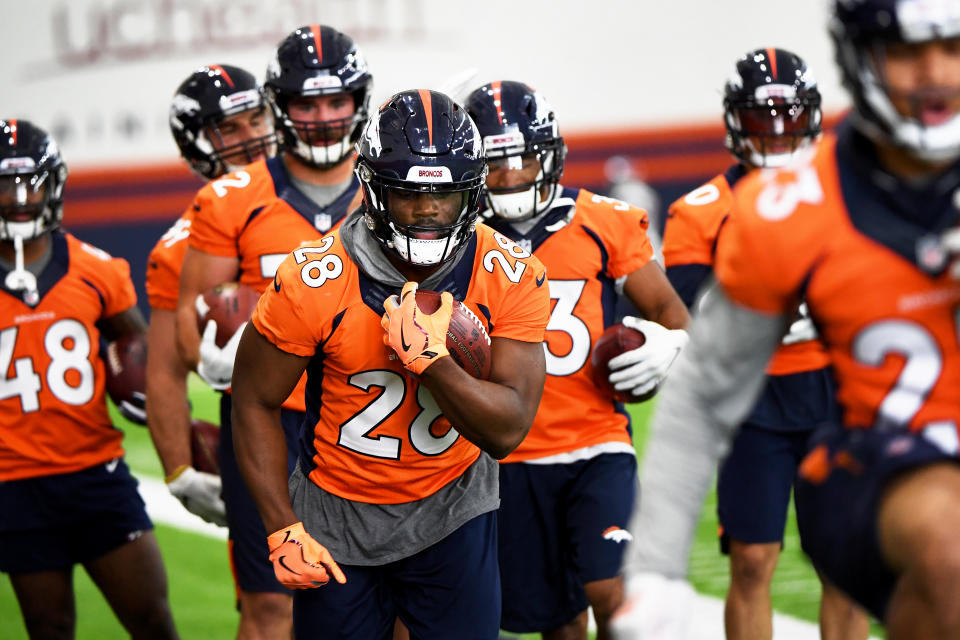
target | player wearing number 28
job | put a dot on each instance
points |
(855, 227)
(66, 495)
(396, 489)
(568, 489)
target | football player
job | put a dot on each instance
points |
(244, 224)
(220, 122)
(396, 490)
(854, 229)
(66, 493)
(567, 491)
(772, 112)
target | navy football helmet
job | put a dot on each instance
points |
(861, 31)
(32, 175)
(201, 103)
(421, 142)
(317, 60)
(516, 123)
(771, 107)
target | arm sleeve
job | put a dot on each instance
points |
(630, 247)
(526, 306)
(710, 390)
(117, 290)
(280, 317)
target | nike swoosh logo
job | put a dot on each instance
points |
(284, 565)
(112, 465)
(543, 276)
(276, 283)
(403, 343)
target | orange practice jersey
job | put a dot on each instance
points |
(586, 242)
(258, 216)
(690, 239)
(890, 327)
(165, 262)
(378, 436)
(53, 414)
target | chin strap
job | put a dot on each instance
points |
(20, 278)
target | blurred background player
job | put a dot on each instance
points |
(220, 122)
(854, 229)
(567, 491)
(65, 491)
(771, 111)
(385, 485)
(244, 225)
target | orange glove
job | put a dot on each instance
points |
(299, 561)
(419, 338)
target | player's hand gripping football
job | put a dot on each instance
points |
(299, 561)
(419, 338)
(640, 370)
(199, 493)
(654, 608)
(216, 364)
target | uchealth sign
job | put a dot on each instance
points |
(100, 74)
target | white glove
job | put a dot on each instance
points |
(199, 493)
(654, 608)
(950, 242)
(216, 364)
(802, 329)
(642, 369)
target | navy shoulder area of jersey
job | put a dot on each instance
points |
(733, 174)
(906, 219)
(556, 217)
(56, 269)
(321, 218)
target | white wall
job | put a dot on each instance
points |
(100, 73)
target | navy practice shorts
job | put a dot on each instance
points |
(449, 590)
(754, 483)
(837, 517)
(249, 555)
(55, 522)
(561, 525)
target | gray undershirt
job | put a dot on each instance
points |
(366, 534)
(321, 195)
(710, 390)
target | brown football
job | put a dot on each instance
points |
(126, 373)
(230, 304)
(204, 442)
(617, 339)
(467, 339)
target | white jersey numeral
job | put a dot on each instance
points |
(567, 294)
(68, 345)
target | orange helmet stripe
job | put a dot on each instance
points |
(427, 101)
(317, 41)
(13, 132)
(223, 72)
(772, 56)
(495, 87)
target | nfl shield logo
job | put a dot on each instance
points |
(931, 255)
(525, 244)
(322, 222)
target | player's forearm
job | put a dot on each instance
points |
(168, 416)
(187, 333)
(492, 416)
(710, 390)
(261, 451)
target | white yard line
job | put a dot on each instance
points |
(707, 614)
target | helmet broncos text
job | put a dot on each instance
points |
(516, 121)
(861, 31)
(30, 163)
(420, 141)
(202, 101)
(318, 60)
(771, 107)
